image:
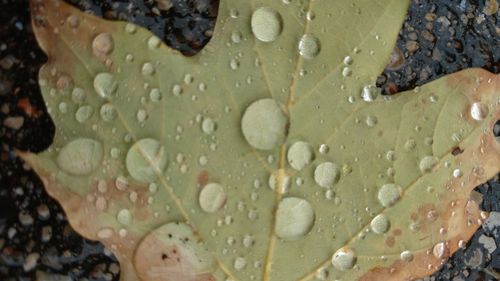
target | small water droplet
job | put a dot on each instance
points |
(348, 60)
(380, 224)
(427, 163)
(153, 42)
(406, 256)
(264, 124)
(282, 178)
(83, 113)
(457, 173)
(371, 121)
(80, 157)
(478, 111)
(323, 148)
(141, 115)
(124, 217)
(78, 95)
(240, 263)
(439, 250)
(266, 24)
(177, 90)
(309, 46)
(146, 160)
(389, 194)
(108, 112)
(105, 84)
(294, 218)
(102, 44)
(300, 155)
(148, 69)
(155, 95)
(208, 126)
(212, 197)
(346, 72)
(130, 28)
(370, 93)
(326, 174)
(344, 259)
(236, 37)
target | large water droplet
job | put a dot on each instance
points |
(102, 44)
(380, 224)
(266, 24)
(212, 197)
(300, 155)
(105, 84)
(389, 194)
(146, 159)
(264, 124)
(309, 46)
(427, 163)
(344, 259)
(294, 218)
(80, 157)
(326, 174)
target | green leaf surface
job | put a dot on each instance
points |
(269, 155)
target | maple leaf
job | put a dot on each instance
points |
(269, 155)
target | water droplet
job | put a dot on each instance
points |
(234, 64)
(282, 178)
(105, 84)
(130, 28)
(389, 194)
(153, 42)
(309, 46)
(439, 250)
(266, 24)
(73, 21)
(63, 107)
(236, 37)
(478, 111)
(323, 149)
(146, 159)
(300, 155)
(344, 259)
(370, 93)
(141, 115)
(240, 263)
(406, 256)
(208, 126)
(294, 218)
(348, 60)
(212, 197)
(108, 112)
(346, 72)
(105, 233)
(326, 174)
(124, 217)
(177, 90)
(427, 163)
(83, 113)
(102, 44)
(457, 173)
(148, 69)
(80, 157)
(155, 95)
(264, 124)
(380, 224)
(78, 95)
(371, 121)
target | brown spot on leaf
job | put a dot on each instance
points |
(390, 241)
(202, 178)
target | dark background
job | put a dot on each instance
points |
(438, 37)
